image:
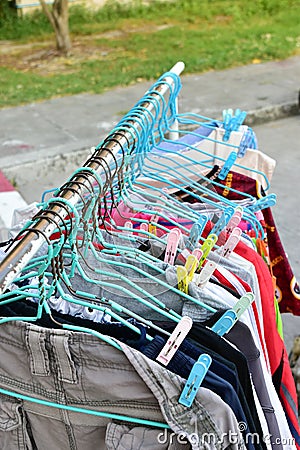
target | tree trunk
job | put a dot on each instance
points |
(59, 19)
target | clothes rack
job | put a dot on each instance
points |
(117, 294)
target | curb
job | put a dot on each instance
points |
(271, 113)
(10, 199)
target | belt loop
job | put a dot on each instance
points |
(66, 367)
(38, 355)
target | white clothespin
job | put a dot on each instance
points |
(203, 277)
(175, 340)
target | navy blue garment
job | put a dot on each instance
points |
(115, 329)
(181, 364)
(194, 349)
(218, 365)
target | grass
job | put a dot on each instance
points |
(121, 45)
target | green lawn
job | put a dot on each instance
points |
(120, 45)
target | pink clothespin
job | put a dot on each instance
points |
(172, 245)
(175, 340)
(231, 242)
(198, 253)
(235, 219)
(129, 225)
(153, 221)
(143, 227)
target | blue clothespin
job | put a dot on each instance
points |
(241, 119)
(232, 122)
(194, 236)
(264, 202)
(238, 119)
(227, 165)
(225, 323)
(248, 141)
(223, 220)
(195, 233)
(231, 316)
(227, 116)
(194, 380)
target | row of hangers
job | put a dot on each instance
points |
(152, 153)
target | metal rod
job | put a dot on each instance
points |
(28, 245)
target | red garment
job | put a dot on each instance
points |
(280, 368)
(278, 358)
(287, 288)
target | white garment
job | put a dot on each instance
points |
(252, 280)
(247, 318)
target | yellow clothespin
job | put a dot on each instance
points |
(182, 279)
(206, 248)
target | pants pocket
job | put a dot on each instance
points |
(14, 427)
(123, 437)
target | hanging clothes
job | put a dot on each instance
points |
(149, 314)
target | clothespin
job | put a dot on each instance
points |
(193, 239)
(232, 122)
(194, 380)
(230, 317)
(185, 274)
(175, 340)
(186, 253)
(152, 229)
(231, 242)
(227, 165)
(144, 227)
(206, 247)
(173, 239)
(128, 224)
(264, 202)
(203, 277)
(223, 220)
(153, 220)
(198, 253)
(235, 219)
(194, 236)
(248, 141)
(195, 233)
(238, 119)
(182, 279)
(227, 116)
(191, 266)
